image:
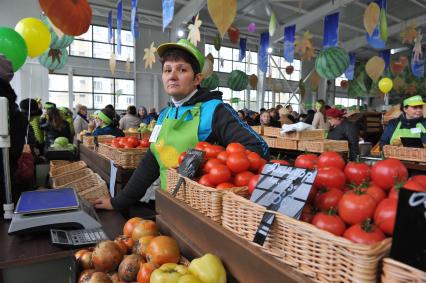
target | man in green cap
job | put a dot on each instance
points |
(411, 123)
(194, 114)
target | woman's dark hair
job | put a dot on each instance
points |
(110, 114)
(176, 54)
(242, 113)
(131, 110)
(109, 106)
(7, 91)
(54, 118)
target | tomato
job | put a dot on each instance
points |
(133, 140)
(308, 161)
(262, 165)
(223, 156)
(212, 151)
(394, 193)
(307, 213)
(242, 179)
(253, 182)
(376, 192)
(210, 163)
(356, 206)
(327, 199)
(237, 162)
(129, 144)
(357, 173)
(144, 142)
(281, 162)
(331, 159)
(420, 179)
(329, 222)
(385, 215)
(330, 177)
(386, 173)
(365, 233)
(205, 181)
(416, 183)
(219, 174)
(255, 161)
(122, 140)
(312, 194)
(235, 147)
(144, 228)
(145, 270)
(226, 185)
(162, 249)
(201, 145)
(130, 225)
(181, 157)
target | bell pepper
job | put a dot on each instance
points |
(189, 278)
(208, 268)
(168, 273)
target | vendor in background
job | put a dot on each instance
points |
(130, 120)
(144, 116)
(54, 126)
(266, 121)
(411, 123)
(342, 129)
(319, 121)
(194, 114)
(106, 124)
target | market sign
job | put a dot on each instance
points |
(190, 165)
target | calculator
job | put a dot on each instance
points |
(77, 238)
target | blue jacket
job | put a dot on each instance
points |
(108, 130)
(405, 124)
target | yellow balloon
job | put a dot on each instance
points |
(36, 35)
(385, 85)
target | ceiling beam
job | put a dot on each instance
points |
(361, 41)
(418, 3)
(310, 17)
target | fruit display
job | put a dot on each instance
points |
(128, 142)
(144, 128)
(62, 143)
(142, 255)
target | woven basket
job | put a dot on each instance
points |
(270, 141)
(145, 135)
(258, 129)
(98, 190)
(89, 140)
(316, 253)
(66, 169)
(131, 134)
(58, 163)
(324, 145)
(306, 135)
(405, 153)
(128, 157)
(64, 179)
(172, 179)
(106, 150)
(286, 143)
(398, 272)
(271, 132)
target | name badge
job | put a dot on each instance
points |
(415, 130)
(155, 133)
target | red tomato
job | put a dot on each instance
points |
(128, 144)
(224, 186)
(329, 222)
(219, 174)
(385, 215)
(330, 177)
(308, 161)
(420, 179)
(181, 157)
(357, 173)
(134, 140)
(376, 192)
(223, 156)
(263, 162)
(201, 145)
(312, 194)
(327, 199)
(386, 173)
(210, 164)
(212, 151)
(364, 234)
(205, 181)
(394, 193)
(307, 213)
(281, 162)
(238, 162)
(331, 159)
(356, 206)
(255, 161)
(116, 144)
(242, 179)
(144, 142)
(253, 182)
(122, 140)
(416, 183)
(235, 147)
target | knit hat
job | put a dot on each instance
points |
(334, 113)
(32, 105)
(6, 69)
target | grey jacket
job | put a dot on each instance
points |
(346, 131)
(129, 121)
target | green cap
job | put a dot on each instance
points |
(48, 105)
(103, 117)
(414, 101)
(183, 44)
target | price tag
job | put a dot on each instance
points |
(416, 130)
(155, 133)
(112, 178)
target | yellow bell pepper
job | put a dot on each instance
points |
(168, 273)
(208, 268)
(189, 278)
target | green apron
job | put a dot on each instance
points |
(175, 137)
(407, 133)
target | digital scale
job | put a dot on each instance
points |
(53, 208)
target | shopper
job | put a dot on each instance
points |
(130, 120)
(194, 114)
(319, 121)
(116, 116)
(342, 129)
(265, 120)
(309, 117)
(32, 112)
(106, 123)
(81, 122)
(54, 126)
(144, 116)
(410, 124)
(153, 113)
(284, 117)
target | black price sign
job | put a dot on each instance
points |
(284, 189)
(189, 167)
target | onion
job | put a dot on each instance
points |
(106, 256)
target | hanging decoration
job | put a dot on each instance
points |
(134, 22)
(233, 34)
(344, 84)
(403, 60)
(248, 61)
(371, 17)
(57, 31)
(253, 81)
(331, 30)
(13, 47)
(272, 24)
(251, 27)
(207, 68)
(57, 42)
(112, 63)
(398, 84)
(314, 81)
(375, 67)
(54, 59)
(194, 35)
(263, 52)
(385, 85)
(109, 26)
(302, 88)
(357, 86)
(237, 80)
(417, 50)
(375, 39)
(304, 47)
(65, 14)
(168, 11)
(385, 55)
(223, 13)
(211, 83)
(119, 23)
(332, 62)
(349, 73)
(221, 61)
(397, 67)
(289, 69)
(217, 42)
(417, 59)
(409, 33)
(128, 66)
(308, 55)
(289, 36)
(149, 56)
(210, 57)
(36, 35)
(383, 26)
(243, 48)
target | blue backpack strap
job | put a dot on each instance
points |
(207, 111)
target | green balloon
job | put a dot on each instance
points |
(13, 47)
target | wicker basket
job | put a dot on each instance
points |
(286, 143)
(64, 179)
(106, 150)
(145, 135)
(66, 169)
(132, 134)
(172, 179)
(89, 140)
(97, 190)
(398, 272)
(258, 129)
(405, 153)
(316, 253)
(58, 163)
(306, 135)
(324, 145)
(124, 157)
(271, 132)
(270, 141)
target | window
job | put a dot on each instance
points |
(94, 44)
(58, 90)
(283, 98)
(345, 102)
(338, 80)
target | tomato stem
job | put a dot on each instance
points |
(367, 226)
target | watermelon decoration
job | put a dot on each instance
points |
(237, 80)
(57, 42)
(332, 62)
(211, 83)
(357, 87)
(54, 59)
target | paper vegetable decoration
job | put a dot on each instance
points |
(234, 34)
(222, 13)
(409, 33)
(211, 83)
(272, 24)
(371, 17)
(149, 56)
(128, 66)
(332, 62)
(253, 81)
(375, 67)
(54, 59)
(207, 68)
(417, 50)
(237, 80)
(112, 63)
(304, 47)
(194, 31)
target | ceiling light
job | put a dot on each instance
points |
(269, 50)
(180, 33)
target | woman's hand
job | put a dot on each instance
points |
(103, 203)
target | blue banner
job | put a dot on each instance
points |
(288, 52)
(119, 23)
(134, 23)
(109, 26)
(263, 51)
(418, 67)
(168, 10)
(385, 55)
(350, 70)
(243, 48)
(331, 30)
(375, 40)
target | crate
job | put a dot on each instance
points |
(405, 153)
(271, 132)
(270, 141)
(316, 253)
(398, 272)
(285, 143)
(66, 169)
(322, 146)
(89, 140)
(67, 178)
(132, 134)
(306, 135)
(258, 129)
